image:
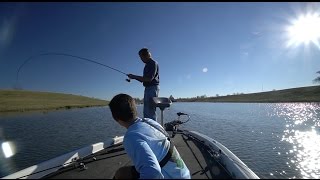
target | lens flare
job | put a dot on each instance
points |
(7, 149)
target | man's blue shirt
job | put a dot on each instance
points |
(151, 70)
(147, 146)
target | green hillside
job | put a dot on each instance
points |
(302, 94)
(19, 101)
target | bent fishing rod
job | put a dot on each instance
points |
(69, 55)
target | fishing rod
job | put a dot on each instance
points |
(64, 54)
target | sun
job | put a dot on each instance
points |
(304, 30)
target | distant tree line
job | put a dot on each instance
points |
(317, 79)
(138, 100)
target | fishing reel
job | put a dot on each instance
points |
(128, 79)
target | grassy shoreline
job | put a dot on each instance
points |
(26, 101)
(301, 94)
(22, 101)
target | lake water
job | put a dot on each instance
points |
(274, 140)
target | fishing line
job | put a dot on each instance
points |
(69, 55)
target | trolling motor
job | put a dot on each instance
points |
(173, 125)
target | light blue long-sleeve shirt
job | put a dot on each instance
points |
(147, 146)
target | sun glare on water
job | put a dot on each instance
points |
(303, 135)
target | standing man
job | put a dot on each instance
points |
(150, 80)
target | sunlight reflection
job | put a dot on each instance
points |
(8, 149)
(303, 132)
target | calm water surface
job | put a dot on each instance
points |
(274, 140)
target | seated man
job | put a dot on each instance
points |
(147, 144)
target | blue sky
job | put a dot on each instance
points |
(205, 48)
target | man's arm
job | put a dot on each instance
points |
(149, 74)
(139, 78)
(143, 158)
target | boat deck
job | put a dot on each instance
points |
(105, 163)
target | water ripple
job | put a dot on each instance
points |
(302, 132)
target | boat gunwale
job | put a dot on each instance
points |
(53, 165)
